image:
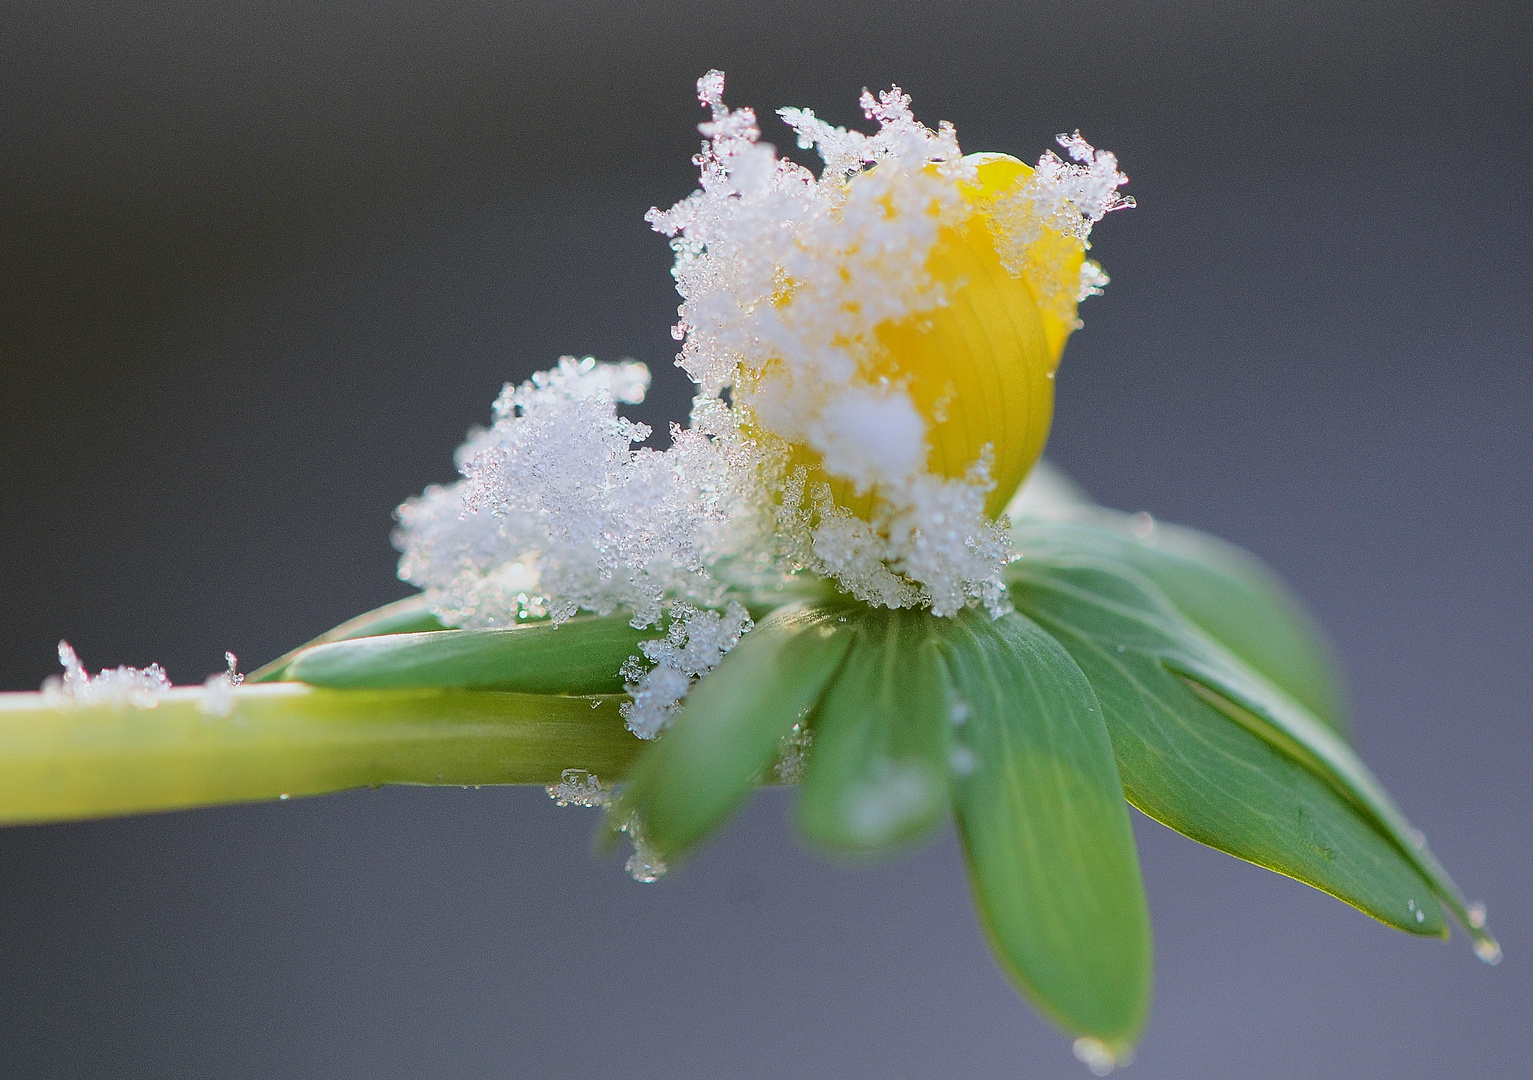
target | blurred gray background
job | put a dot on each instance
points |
(262, 265)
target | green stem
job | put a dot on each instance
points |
(62, 762)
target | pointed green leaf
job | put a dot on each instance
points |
(1214, 751)
(878, 773)
(1045, 830)
(408, 616)
(731, 727)
(1226, 591)
(580, 656)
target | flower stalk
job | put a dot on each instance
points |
(287, 739)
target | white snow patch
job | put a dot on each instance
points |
(697, 640)
(140, 688)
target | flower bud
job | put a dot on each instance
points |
(978, 367)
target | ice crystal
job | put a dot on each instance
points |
(1060, 198)
(786, 278)
(793, 754)
(1096, 1056)
(560, 510)
(695, 643)
(218, 690)
(577, 787)
(644, 864)
(123, 686)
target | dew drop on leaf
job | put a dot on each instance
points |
(1486, 949)
(1095, 1055)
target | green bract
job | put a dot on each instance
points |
(1142, 662)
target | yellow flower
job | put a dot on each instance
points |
(885, 335)
(979, 368)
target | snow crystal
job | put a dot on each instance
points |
(1096, 1056)
(577, 787)
(218, 690)
(695, 643)
(559, 511)
(1093, 280)
(1065, 198)
(141, 688)
(871, 436)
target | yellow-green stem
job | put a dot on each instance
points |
(285, 739)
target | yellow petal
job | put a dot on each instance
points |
(979, 368)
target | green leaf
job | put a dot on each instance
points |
(407, 616)
(67, 762)
(1211, 749)
(581, 656)
(1226, 591)
(1045, 830)
(731, 726)
(878, 773)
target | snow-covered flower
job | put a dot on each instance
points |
(826, 580)
(874, 350)
(888, 332)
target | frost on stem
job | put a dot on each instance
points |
(123, 686)
(218, 690)
(576, 787)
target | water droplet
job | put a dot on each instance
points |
(1477, 915)
(1142, 525)
(1095, 1055)
(1122, 647)
(962, 760)
(644, 869)
(959, 712)
(644, 865)
(284, 796)
(1487, 949)
(877, 809)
